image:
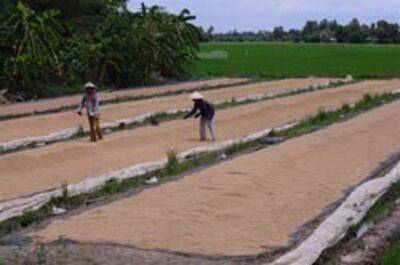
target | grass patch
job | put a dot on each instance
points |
(392, 255)
(41, 255)
(175, 167)
(239, 147)
(301, 59)
(384, 205)
(172, 162)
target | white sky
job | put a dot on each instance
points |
(242, 15)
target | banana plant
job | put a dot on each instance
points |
(34, 38)
(169, 42)
(112, 46)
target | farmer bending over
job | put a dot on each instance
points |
(207, 114)
(91, 102)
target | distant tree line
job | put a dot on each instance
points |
(48, 47)
(317, 31)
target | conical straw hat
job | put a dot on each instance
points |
(89, 85)
(196, 95)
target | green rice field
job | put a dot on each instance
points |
(290, 59)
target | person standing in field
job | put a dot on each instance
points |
(207, 114)
(90, 100)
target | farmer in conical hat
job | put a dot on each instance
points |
(207, 113)
(90, 100)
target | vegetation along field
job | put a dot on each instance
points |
(288, 59)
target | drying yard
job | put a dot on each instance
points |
(237, 210)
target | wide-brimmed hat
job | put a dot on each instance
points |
(196, 95)
(89, 85)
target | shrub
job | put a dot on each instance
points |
(172, 162)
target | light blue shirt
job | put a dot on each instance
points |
(92, 106)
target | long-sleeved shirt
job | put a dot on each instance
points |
(207, 110)
(92, 106)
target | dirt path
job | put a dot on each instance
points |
(256, 200)
(47, 104)
(95, 254)
(36, 170)
(46, 124)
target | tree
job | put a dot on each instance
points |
(310, 32)
(294, 35)
(168, 43)
(210, 31)
(34, 41)
(327, 30)
(81, 16)
(98, 40)
(341, 34)
(278, 33)
(386, 32)
(327, 35)
(354, 32)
